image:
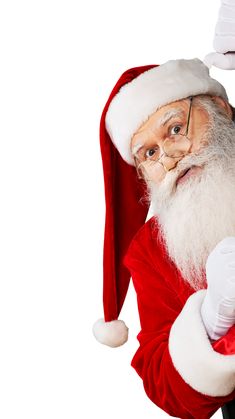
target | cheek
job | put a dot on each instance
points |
(197, 144)
(199, 141)
(198, 125)
(199, 138)
(154, 179)
(150, 178)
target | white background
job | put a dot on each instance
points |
(59, 63)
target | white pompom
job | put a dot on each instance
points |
(114, 333)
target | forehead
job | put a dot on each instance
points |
(160, 118)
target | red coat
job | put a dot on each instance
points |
(183, 372)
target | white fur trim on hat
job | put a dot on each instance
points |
(193, 356)
(114, 333)
(159, 86)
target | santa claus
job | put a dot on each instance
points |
(167, 138)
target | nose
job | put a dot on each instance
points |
(169, 163)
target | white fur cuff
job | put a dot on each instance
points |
(204, 369)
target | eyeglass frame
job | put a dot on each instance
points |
(164, 153)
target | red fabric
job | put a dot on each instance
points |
(161, 295)
(226, 344)
(123, 193)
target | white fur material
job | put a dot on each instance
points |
(159, 86)
(114, 333)
(204, 369)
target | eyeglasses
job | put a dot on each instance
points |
(176, 145)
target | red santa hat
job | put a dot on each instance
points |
(139, 92)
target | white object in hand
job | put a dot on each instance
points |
(218, 307)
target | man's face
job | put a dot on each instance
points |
(194, 214)
(163, 124)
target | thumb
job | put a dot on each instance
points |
(223, 61)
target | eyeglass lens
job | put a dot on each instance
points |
(176, 146)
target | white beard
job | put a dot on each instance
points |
(197, 214)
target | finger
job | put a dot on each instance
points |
(231, 264)
(209, 60)
(226, 245)
(222, 61)
(227, 249)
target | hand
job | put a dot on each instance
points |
(224, 38)
(218, 308)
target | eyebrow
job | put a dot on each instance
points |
(169, 115)
(136, 148)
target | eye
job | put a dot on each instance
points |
(175, 129)
(150, 152)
